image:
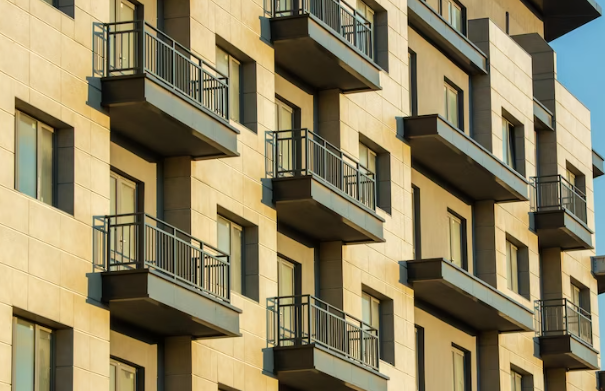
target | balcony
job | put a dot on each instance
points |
(322, 192)
(455, 45)
(325, 43)
(565, 334)
(163, 280)
(462, 162)
(468, 299)
(598, 271)
(562, 16)
(559, 214)
(163, 97)
(597, 165)
(543, 118)
(316, 346)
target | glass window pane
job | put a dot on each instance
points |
(285, 278)
(234, 90)
(363, 155)
(514, 268)
(458, 363)
(371, 161)
(224, 237)
(222, 61)
(44, 360)
(455, 241)
(126, 380)
(23, 356)
(375, 314)
(366, 312)
(112, 377)
(452, 106)
(236, 259)
(127, 201)
(46, 165)
(26, 155)
(285, 117)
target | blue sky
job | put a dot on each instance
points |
(580, 60)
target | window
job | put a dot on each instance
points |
(413, 108)
(122, 201)
(365, 42)
(416, 242)
(284, 115)
(516, 381)
(367, 158)
(454, 15)
(32, 356)
(460, 365)
(452, 108)
(576, 295)
(419, 334)
(571, 177)
(512, 260)
(456, 239)
(231, 68)
(370, 308)
(231, 242)
(508, 143)
(34, 159)
(122, 377)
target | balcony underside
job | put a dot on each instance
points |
(311, 51)
(164, 122)
(562, 16)
(597, 165)
(565, 351)
(455, 45)
(311, 368)
(318, 211)
(147, 300)
(462, 162)
(560, 229)
(465, 297)
(543, 118)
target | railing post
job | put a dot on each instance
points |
(174, 254)
(140, 237)
(108, 245)
(173, 65)
(106, 29)
(358, 182)
(141, 48)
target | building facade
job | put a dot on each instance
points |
(295, 195)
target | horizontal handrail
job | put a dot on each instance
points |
(563, 317)
(554, 192)
(304, 319)
(141, 241)
(136, 47)
(337, 15)
(300, 152)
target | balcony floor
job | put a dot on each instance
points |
(567, 352)
(311, 368)
(316, 210)
(145, 111)
(150, 301)
(560, 229)
(310, 50)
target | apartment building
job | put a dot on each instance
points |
(306, 195)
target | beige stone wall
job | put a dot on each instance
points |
(439, 338)
(433, 68)
(46, 265)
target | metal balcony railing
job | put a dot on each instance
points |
(301, 152)
(137, 47)
(337, 14)
(304, 320)
(139, 241)
(554, 192)
(562, 317)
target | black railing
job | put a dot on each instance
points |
(301, 152)
(139, 241)
(553, 192)
(337, 14)
(562, 317)
(305, 320)
(137, 47)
